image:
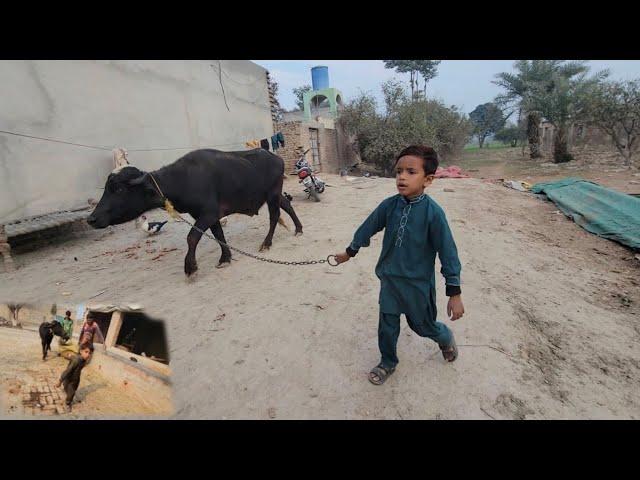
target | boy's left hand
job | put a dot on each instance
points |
(342, 257)
(455, 309)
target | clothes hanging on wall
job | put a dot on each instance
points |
(277, 141)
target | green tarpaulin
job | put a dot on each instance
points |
(605, 212)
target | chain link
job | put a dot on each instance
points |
(262, 259)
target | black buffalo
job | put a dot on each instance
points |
(47, 331)
(208, 185)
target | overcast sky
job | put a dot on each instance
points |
(463, 83)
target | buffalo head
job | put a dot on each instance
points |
(56, 329)
(128, 193)
(59, 331)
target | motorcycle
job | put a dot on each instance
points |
(312, 183)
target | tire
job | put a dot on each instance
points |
(314, 193)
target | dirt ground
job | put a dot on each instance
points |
(598, 165)
(27, 385)
(551, 329)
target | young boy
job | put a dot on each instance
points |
(67, 323)
(88, 330)
(71, 376)
(67, 326)
(415, 229)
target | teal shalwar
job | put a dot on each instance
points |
(414, 232)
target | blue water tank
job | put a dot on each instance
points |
(320, 77)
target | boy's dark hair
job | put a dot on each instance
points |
(427, 154)
(85, 346)
(90, 316)
(67, 313)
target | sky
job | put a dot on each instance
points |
(462, 83)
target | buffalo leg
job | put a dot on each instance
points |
(203, 223)
(225, 258)
(285, 204)
(274, 214)
(45, 349)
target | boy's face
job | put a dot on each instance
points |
(85, 352)
(411, 179)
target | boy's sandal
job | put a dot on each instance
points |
(450, 352)
(381, 373)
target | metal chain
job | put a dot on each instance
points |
(280, 262)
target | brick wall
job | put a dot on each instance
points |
(294, 136)
(272, 102)
(333, 145)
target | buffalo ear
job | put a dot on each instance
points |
(138, 180)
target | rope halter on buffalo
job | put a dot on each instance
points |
(168, 206)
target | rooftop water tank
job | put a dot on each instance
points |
(320, 77)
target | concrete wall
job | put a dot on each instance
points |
(149, 386)
(323, 116)
(32, 316)
(298, 115)
(579, 135)
(138, 105)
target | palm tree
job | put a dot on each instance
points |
(566, 96)
(530, 76)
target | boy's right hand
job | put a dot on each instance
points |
(342, 257)
(455, 308)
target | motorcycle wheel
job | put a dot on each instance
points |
(314, 193)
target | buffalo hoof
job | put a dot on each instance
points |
(190, 268)
(190, 278)
(297, 233)
(264, 247)
(223, 264)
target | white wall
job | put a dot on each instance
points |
(152, 104)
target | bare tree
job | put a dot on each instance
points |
(427, 68)
(14, 308)
(273, 87)
(615, 110)
(299, 93)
